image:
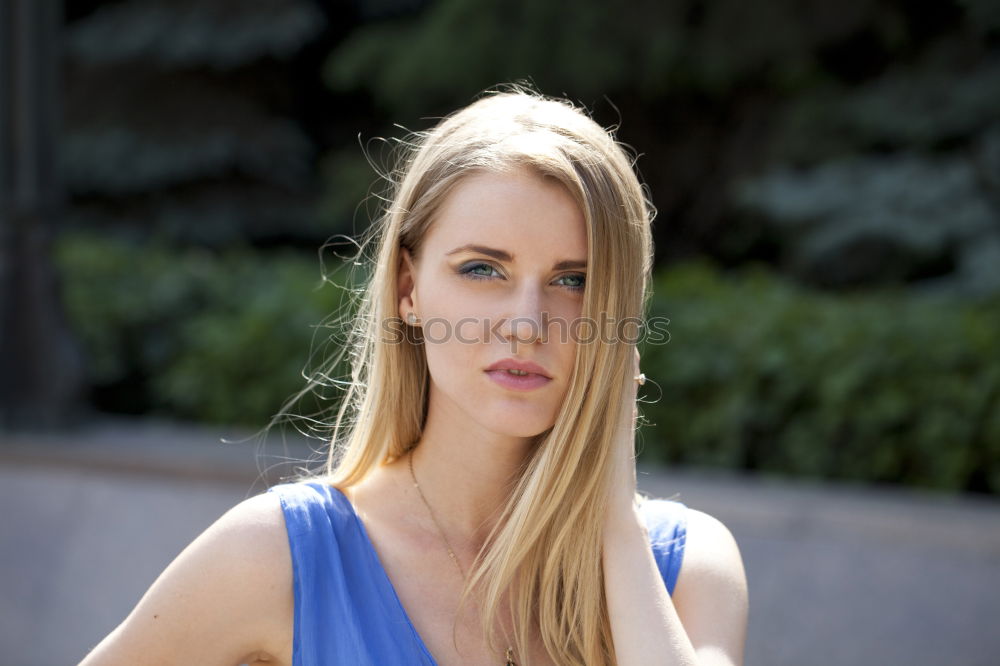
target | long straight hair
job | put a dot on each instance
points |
(544, 552)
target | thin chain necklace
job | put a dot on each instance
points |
(510, 650)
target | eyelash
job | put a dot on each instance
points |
(466, 272)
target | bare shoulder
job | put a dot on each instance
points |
(711, 594)
(227, 598)
(710, 549)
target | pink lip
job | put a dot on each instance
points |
(515, 364)
(518, 383)
(538, 377)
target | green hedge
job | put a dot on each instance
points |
(757, 373)
(876, 386)
(215, 337)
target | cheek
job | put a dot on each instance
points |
(457, 321)
(565, 325)
(451, 347)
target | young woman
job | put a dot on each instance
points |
(479, 504)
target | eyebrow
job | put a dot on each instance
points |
(503, 255)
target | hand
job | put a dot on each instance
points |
(623, 485)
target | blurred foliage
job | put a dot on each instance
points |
(893, 181)
(946, 98)
(984, 16)
(354, 194)
(758, 373)
(853, 146)
(182, 119)
(714, 94)
(884, 219)
(198, 134)
(710, 93)
(222, 34)
(881, 386)
(455, 48)
(191, 333)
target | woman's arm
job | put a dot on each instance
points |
(711, 591)
(706, 621)
(219, 602)
(644, 623)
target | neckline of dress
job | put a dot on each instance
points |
(386, 582)
(384, 579)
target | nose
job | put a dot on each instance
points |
(525, 322)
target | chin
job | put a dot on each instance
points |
(518, 426)
(529, 434)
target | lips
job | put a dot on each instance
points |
(536, 378)
(517, 364)
(517, 382)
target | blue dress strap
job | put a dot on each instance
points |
(346, 611)
(667, 524)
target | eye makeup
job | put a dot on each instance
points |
(468, 271)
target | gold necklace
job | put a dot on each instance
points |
(510, 650)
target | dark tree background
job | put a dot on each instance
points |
(40, 366)
(184, 112)
(813, 165)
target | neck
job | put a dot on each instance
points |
(466, 474)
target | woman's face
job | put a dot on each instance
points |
(500, 276)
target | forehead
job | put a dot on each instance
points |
(518, 211)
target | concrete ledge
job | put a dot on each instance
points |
(162, 448)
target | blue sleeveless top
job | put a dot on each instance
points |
(346, 609)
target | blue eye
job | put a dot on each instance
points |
(467, 271)
(483, 271)
(580, 277)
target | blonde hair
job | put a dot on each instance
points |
(545, 550)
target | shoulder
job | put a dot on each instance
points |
(711, 594)
(258, 522)
(251, 536)
(227, 595)
(248, 542)
(711, 549)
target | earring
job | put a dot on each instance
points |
(411, 319)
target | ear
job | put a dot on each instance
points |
(406, 285)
